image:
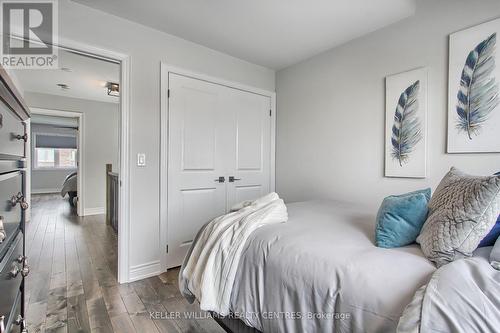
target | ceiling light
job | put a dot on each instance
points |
(113, 89)
(63, 86)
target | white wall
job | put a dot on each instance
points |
(147, 48)
(331, 108)
(101, 141)
(49, 180)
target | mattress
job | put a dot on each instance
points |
(321, 272)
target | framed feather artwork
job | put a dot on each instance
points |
(473, 93)
(406, 124)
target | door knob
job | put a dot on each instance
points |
(221, 179)
(232, 179)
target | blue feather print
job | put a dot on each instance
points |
(406, 131)
(478, 92)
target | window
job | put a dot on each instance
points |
(55, 158)
(45, 158)
(54, 152)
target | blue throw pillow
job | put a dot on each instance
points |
(492, 236)
(400, 218)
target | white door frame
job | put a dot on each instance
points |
(81, 149)
(124, 192)
(164, 120)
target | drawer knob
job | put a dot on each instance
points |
(20, 322)
(25, 271)
(14, 272)
(19, 198)
(22, 259)
(23, 137)
(3, 233)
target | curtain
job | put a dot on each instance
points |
(55, 141)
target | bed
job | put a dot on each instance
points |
(70, 187)
(323, 261)
(321, 272)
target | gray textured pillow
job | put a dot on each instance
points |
(461, 212)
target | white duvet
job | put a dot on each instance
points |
(462, 296)
(292, 277)
(211, 267)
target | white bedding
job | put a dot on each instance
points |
(211, 267)
(462, 296)
(295, 276)
(323, 260)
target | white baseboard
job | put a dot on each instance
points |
(45, 191)
(94, 211)
(144, 271)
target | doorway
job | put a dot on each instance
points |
(57, 136)
(112, 90)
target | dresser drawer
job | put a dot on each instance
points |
(13, 323)
(11, 203)
(11, 270)
(12, 134)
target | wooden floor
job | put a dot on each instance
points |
(72, 285)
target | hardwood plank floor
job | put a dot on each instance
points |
(72, 285)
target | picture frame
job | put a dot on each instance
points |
(474, 90)
(406, 124)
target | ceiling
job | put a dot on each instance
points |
(271, 33)
(84, 75)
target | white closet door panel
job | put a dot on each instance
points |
(251, 147)
(250, 129)
(247, 192)
(197, 157)
(196, 206)
(199, 130)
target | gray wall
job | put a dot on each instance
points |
(48, 181)
(101, 137)
(331, 108)
(147, 48)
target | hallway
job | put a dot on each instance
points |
(72, 285)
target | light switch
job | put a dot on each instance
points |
(141, 159)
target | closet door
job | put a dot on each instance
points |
(249, 168)
(218, 155)
(198, 156)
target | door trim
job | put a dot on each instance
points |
(164, 140)
(81, 149)
(123, 59)
(124, 194)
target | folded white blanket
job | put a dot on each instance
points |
(211, 267)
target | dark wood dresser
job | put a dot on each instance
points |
(13, 262)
